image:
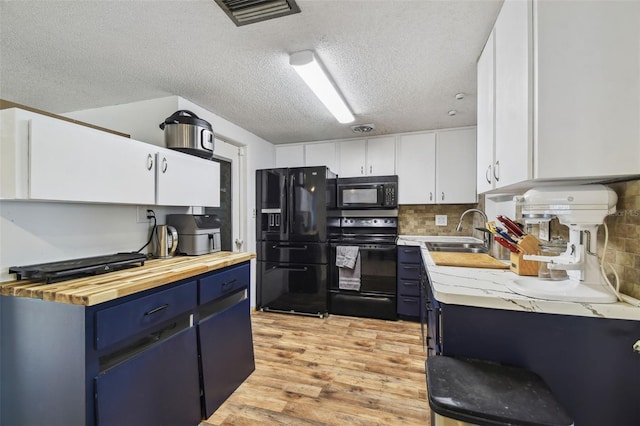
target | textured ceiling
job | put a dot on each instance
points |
(398, 63)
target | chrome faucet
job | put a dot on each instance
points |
(485, 235)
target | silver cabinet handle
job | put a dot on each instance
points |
(361, 170)
(430, 196)
(370, 170)
(149, 162)
(636, 347)
(496, 171)
(165, 165)
(487, 174)
(443, 196)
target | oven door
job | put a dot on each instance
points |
(377, 268)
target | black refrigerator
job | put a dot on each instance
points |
(291, 228)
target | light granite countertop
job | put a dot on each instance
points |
(487, 288)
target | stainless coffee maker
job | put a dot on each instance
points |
(165, 241)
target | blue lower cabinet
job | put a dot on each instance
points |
(587, 362)
(224, 335)
(226, 348)
(409, 305)
(165, 356)
(159, 386)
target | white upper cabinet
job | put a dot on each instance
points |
(353, 158)
(367, 157)
(456, 166)
(381, 156)
(588, 89)
(321, 154)
(512, 162)
(289, 155)
(417, 168)
(486, 114)
(44, 158)
(307, 154)
(185, 180)
(437, 167)
(75, 163)
(566, 94)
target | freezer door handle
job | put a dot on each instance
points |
(279, 246)
(290, 268)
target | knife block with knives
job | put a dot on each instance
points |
(524, 244)
(527, 245)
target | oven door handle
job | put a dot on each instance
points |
(374, 247)
(366, 246)
(385, 247)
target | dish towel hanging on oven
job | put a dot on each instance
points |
(348, 263)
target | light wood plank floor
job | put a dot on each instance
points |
(333, 371)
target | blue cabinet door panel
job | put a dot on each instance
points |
(409, 271)
(227, 359)
(408, 287)
(409, 254)
(158, 387)
(409, 306)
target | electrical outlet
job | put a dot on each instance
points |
(141, 214)
(441, 220)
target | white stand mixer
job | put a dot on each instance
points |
(583, 209)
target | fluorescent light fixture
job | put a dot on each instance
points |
(312, 72)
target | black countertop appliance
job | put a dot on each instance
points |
(291, 234)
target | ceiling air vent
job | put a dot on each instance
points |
(243, 12)
(363, 128)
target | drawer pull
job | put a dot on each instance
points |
(156, 310)
(229, 284)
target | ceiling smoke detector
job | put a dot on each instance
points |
(363, 128)
(243, 12)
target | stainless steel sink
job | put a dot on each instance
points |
(457, 247)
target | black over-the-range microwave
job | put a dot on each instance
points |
(368, 192)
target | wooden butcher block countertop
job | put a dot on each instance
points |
(97, 289)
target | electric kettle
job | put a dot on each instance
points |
(166, 241)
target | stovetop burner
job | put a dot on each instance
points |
(75, 268)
